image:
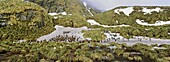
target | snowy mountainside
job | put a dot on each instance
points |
(146, 21)
(150, 14)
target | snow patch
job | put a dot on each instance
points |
(20, 41)
(88, 39)
(112, 47)
(110, 35)
(54, 48)
(158, 48)
(70, 14)
(147, 29)
(148, 11)
(76, 32)
(169, 33)
(93, 22)
(117, 21)
(53, 14)
(106, 26)
(63, 13)
(141, 37)
(158, 23)
(126, 11)
(55, 17)
(88, 9)
(60, 13)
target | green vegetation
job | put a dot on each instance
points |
(71, 21)
(83, 52)
(27, 20)
(69, 6)
(20, 20)
(111, 18)
(74, 7)
(30, 18)
(23, 20)
(95, 35)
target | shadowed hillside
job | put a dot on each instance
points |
(23, 20)
(69, 6)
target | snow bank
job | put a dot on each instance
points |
(146, 11)
(54, 13)
(93, 22)
(126, 11)
(158, 23)
(158, 48)
(106, 26)
(59, 31)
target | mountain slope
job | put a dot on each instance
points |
(69, 6)
(23, 20)
(30, 19)
(150, 14)
(147, 21)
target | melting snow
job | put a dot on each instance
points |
(116, 26)
(141, 37)
(169, 33)
(147, 29)
(112, 47)
(117, 21)
(21, 41)
(70, 14)
(54, 48)
(112, 35)
(158, 48)
(88, 9)
(59, 31)
(88, 39)
(151, 10)
(158, 23)
(55, 17)
(63, 13)
(126, 11)
(93, 22)
(54, 14)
